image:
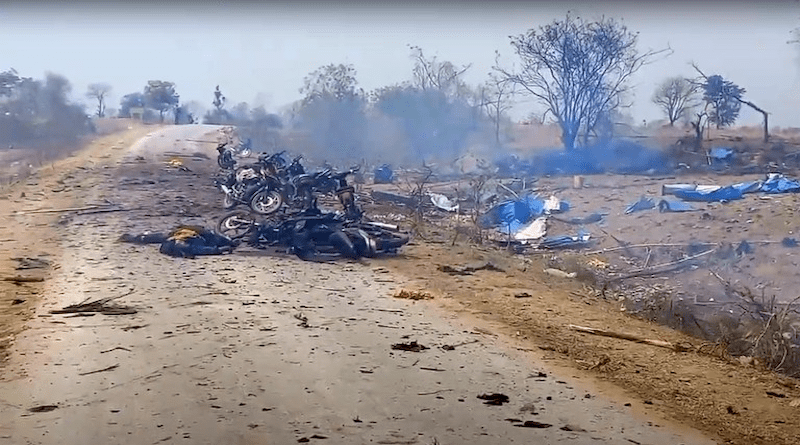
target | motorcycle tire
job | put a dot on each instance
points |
(341, 242)
(266, 202)
(235, 224)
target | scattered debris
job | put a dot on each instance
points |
(468, 270)
(443, 203)
(494, 399)
(593, 218)
(559, 273)
(777, 394)
(413, 295)
(411, 347)
(110, 368)
(453, 347)
(534, 424)
(43, 408)
(25, 263)
(644, 203)
(565, 241)
(100, 306)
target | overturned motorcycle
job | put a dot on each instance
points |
(311, 233)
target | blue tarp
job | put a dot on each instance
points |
(384, 174)
(674, 206)
(513, 213)
(721, 153)
(723, 194)
(643, 203)
(510, 216)
(777, 183)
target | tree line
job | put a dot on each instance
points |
(577, 70)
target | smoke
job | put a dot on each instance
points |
(38, 113)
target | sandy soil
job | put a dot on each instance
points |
(263, 348)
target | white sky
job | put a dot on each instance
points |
(260, 54)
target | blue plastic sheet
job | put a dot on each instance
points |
(509, 216)
(721, 153)
(722, 194)
(643, 203)
(384, 174)
(674, 206)
(777, 183)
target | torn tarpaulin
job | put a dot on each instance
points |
(510, 216)
(721, 194)
(777, 183)
(643, 203)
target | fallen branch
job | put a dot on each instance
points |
(631, 337)
(101, 306)
(112, 367)
(661, 268)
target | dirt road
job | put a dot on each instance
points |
(253, 348)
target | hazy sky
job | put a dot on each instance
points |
(260, 53)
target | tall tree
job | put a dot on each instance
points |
(676, 96)
(579, 70)
(98, 92)
(160, 95)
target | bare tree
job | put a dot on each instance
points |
(431, 74)
(98, 92)
(578, 70)
(676, 96)
(496, 97)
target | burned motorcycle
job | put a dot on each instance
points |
(241, 184)
(298, 190)
(312, 232)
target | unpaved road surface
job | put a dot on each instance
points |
(260, 348)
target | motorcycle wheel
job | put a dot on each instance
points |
(341, 242)
(266, 202)
(235, 224)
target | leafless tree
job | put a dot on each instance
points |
(577, 69)
(496, 96)
(431, 74)
(676, 96)
(98, 92)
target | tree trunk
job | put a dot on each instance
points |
(568, 136)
